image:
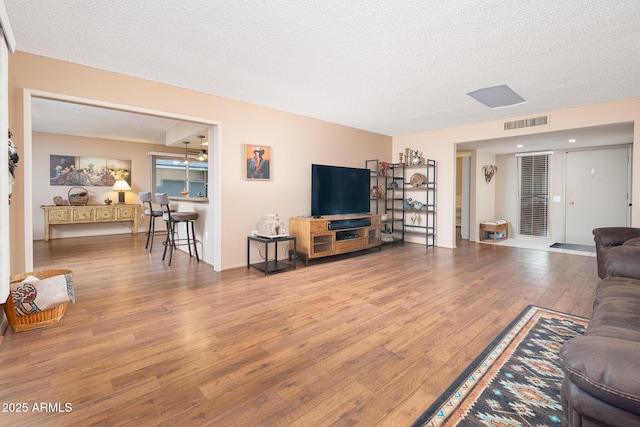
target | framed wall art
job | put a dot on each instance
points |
(257, 159)
(87, 171)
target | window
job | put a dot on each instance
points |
(172, 176)
(533, 171)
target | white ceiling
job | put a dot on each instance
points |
(383, 66)
(94, 122)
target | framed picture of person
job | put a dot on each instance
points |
(257, 159)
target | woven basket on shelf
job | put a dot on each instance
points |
(79, 197)
(35, 320)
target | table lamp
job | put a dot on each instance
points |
(121, 186)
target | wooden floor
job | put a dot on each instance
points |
(367, 340)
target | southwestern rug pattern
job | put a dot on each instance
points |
(515, 381)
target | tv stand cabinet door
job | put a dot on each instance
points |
(374, 237)
(322, 245)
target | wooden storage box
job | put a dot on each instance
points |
(494, 230)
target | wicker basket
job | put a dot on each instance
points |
(35, 320)
(76, 199)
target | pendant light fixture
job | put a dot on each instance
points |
(203, 154)
(186, 154)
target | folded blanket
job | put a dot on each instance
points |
(493, 222)
(33, 295)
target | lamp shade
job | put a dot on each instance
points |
(121, 185)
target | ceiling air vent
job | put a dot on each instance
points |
(525, 123)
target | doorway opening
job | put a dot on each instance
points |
(214, 182)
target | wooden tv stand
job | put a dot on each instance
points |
(335, 234)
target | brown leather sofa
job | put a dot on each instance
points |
(601, 385)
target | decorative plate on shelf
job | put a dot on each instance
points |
(417, 179)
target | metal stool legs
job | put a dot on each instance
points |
(147, 203)
(152, 229)
(171, 242)
(173, 218)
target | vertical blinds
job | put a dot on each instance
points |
(534, 195)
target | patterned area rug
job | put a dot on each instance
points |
(516, 380)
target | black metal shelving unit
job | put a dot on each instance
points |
(390, 203)
(419, 201)
(410, 208)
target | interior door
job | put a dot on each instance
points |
(597, 193)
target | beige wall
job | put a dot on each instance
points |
(440, 145)
(296, 142)
(45, 144)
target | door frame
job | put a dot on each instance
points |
(27, 158)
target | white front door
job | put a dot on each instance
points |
(597, 193)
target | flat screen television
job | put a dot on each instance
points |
(337, 190)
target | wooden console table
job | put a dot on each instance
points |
(58, 215)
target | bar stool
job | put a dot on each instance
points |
(147, 203)
(172, 219)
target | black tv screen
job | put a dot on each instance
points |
(339, 190)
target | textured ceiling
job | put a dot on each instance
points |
(94, 122)
(385, 66)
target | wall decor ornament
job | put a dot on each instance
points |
(489, 171)
(377, 192)
(87, 171)
(416, 157)
(14, 158)
(417, 179)
(13, 162)
(383, 168)
(257, 162)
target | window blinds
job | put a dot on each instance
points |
(534, 194)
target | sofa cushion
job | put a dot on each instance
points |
(617, 312)
(632, 242)
(622, 261)
(618, 287)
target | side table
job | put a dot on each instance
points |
(273, 265)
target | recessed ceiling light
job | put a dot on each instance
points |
(519, 146)
(572, 140)
(497, 97)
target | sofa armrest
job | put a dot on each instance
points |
(609, 237)
(614, 236)
(622, 261)
(606, 368)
